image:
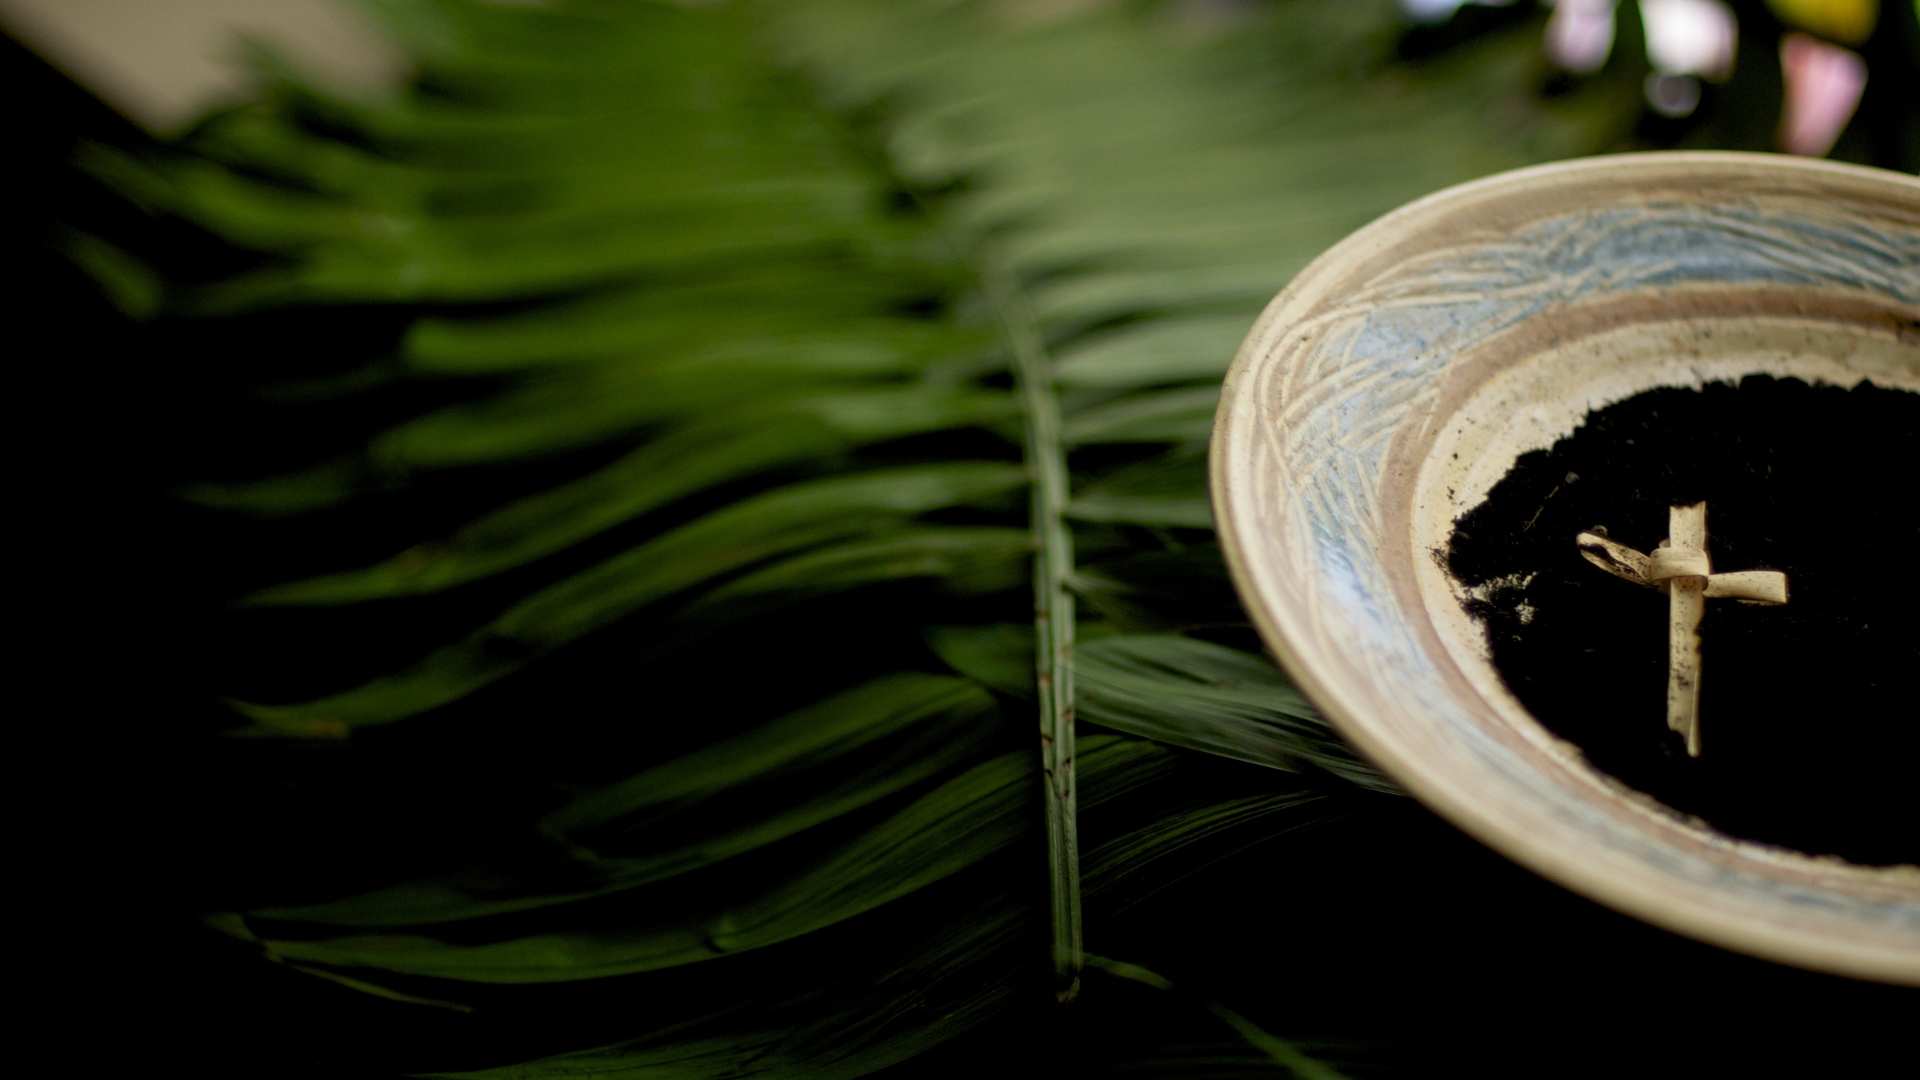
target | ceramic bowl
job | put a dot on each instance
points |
(1402, 374)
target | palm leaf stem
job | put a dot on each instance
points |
(1282, 1053)
(1053, 616)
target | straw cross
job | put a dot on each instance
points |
(1680, 568)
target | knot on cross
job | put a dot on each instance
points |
(1680, 568)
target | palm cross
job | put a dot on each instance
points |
(1680, 568)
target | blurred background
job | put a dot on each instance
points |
(453, 423)
(1720, 74)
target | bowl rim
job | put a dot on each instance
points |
(1743, 931)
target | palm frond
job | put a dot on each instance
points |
(687, 493)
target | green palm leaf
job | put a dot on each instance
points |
(736, 334)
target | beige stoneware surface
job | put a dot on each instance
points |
(1402, 373)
